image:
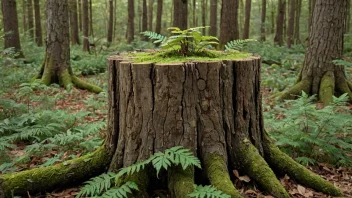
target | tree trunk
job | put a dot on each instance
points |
(263, 25)
(180, 14)
(30, 19)
(80, 22)
(247, 19)
(10, 21)
(213, 17)
(280, 20)
(85, 25)
(73, 22)
(24, 16)
(297, 39)
(91, 30)
(204, 14)
(130, 21)
(228, 22)
(348, 17)
(272, 17)
(159, 14)
(145, 16)
(111, 21)
(38, 26)
(319, 75)
(150, 15)
(291, 23)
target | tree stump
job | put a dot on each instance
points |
(212, 108)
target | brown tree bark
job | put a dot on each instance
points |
(38, 26)
(319, 75)
(145, 16)
(262, 19)
(30, 19)
(247, 19)
(348, 17)
(311, 10)
(228, 22)
(10, 22)
(180, 14)
(111, 21)
(272, 17)
(159, 14)
(291, 23)
(204, 6)
(73, 22)
(150, 14)
(194, 15)
(91, 30)
(80, 22)
(280, 20)
(85, 25)
(297, 39)
(130, 21)
(213, 17)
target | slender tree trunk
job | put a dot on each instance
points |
(228, 21)
(85, 25)
(30, 19)
(80, 14)
(10, 22)
(204, 14)
(111, 21)
(291, 23)
(73, 22)
(272, 17)
(263, 25)
(180, 14)
(150, 14)
(38, 26)
(145, 16)
(159, 14)
(247, 19)
(194, 16)
(280, 19)
(91, 30)
(130, 21)
(348, 17)
(213, 17)
(241, 14)
(24, 16)
(115, 18)
(297, 39)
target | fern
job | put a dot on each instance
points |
(207, 191)
(122, 191)
(342, 63)
(133, 168)
(97, 185)
(154, 36)
(237, 44)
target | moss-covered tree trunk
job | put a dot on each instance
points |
(319, 75)
(56, 66)
(212, 108)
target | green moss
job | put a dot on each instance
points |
(327, 88)
(296, 90)
(218, 175)
(165, 57)
(48, 178)
(85, 85)
(141, 178)
(48, 72)
(181, 182)
(65, 79)
(281, 161)
(257, 168)
(344, 88)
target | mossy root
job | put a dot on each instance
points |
(85, 85)
(349, 84)
(257, 168)
(180, 182)
(303, 85)
(141, 178)
(280, 161)
(218, 175)
(327, 88)
(48, 178)
(344, 87)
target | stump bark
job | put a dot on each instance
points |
(212, 108)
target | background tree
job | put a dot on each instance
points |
(80, 22)
(213, 17)
(229, 21)
(298, 11)
(159, 14)
(262, 20)
(144, 16)
(130, 21)
(24, 16)
(30, 19)
(73, 22)
(150, 14)
(180, 14)
(291, 23)
(280, 20)
(319, 74)
(111, 21)
(38, 26)
(56, 67)
(10, 22)
(247, 19)
(90, 20)
(85, 25)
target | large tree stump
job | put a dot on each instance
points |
(212, 108)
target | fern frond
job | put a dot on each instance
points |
(154, 36)
(237, 44)
(96, 185)
(207, 191)
(134, 168)
(122, 191)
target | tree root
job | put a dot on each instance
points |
(344, 87)
(48, 178)
(257, 168)
(218, 175)
(303, 85)
(141, 178)
(280, 161)
(327, 88)
(180, 181)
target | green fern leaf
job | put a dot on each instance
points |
(97, 185)
(122, 191)
(207, 191)
(237, 44)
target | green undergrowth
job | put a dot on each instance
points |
(164, 57)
